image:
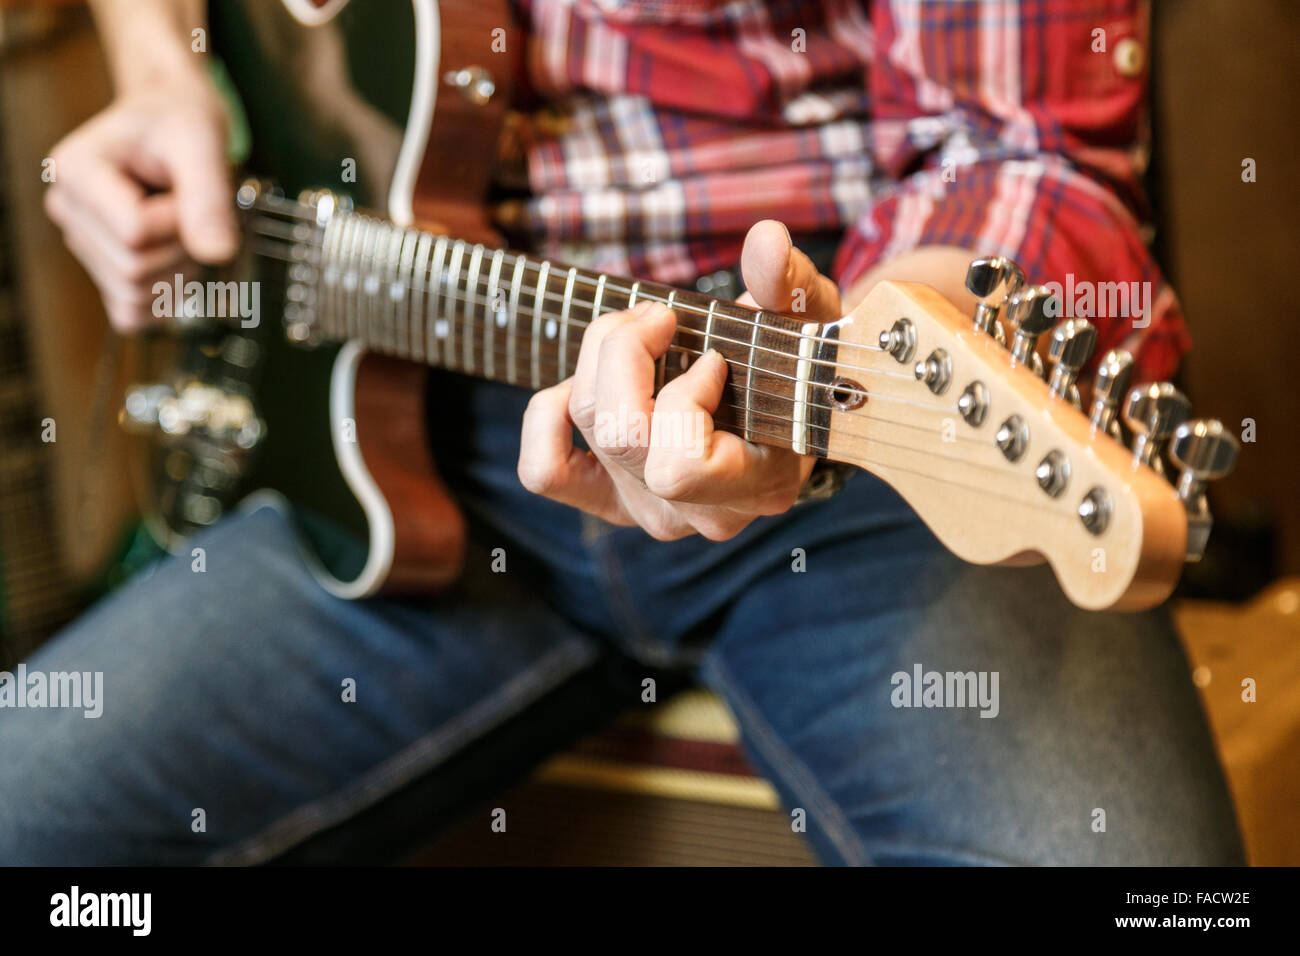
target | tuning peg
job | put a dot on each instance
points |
(1204, 451)
(1109, 387)
(1031, 316)
(1152, 413)
(1072, 344)
(992, 278)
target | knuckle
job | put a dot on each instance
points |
(670, 477)
(582, 411)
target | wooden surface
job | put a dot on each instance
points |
(48, 86)
(1259, 742)
(1225, 79)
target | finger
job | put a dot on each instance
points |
(582, 402)
(690, 462)
(550, 465)
(782, 278)
(625, 385)
(95, 187)
(204, 200)
(122, 263)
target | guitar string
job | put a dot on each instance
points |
(549, 296)
(466, 298)
(502, 353)
(783, 437)
(314, 242)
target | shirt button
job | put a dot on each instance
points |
(1129, 57)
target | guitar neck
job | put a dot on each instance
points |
(511, 318)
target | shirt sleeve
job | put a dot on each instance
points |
(1018, 127)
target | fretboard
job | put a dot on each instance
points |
(511, 318)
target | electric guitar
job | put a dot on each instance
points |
(1000, 462)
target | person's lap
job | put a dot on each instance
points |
(248, 693)
(224, 691)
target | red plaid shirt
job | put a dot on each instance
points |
(1011, 127)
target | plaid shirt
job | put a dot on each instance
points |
(1011, 127)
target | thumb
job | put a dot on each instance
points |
(205, 207)
(782, 278)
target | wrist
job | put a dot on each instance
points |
(150, 44)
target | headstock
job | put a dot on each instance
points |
(1004, 466)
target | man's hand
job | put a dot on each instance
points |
(141, 192)
(714, 485)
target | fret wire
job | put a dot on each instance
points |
(355, 262)
(490, 321)
(631, 299)
(411, 334)
(448, 323)
(600, 293)
(419, 278)
(512, 330)
(708, 325)
(346, 251)
(564, 321)
(467, 333)
(749, 373)
(432, 342)
(661, 371)
(390, 304)
(364, 295)
(330, 254)
(544, 275)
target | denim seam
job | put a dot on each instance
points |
(311, 818)
(792, 770)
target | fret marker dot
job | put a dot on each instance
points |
(440, 328)
(396, 291)
(552, 328)
(331, 276)
(503, 316)
(349, 280)
(372, 285)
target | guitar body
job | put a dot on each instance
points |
(347, 93)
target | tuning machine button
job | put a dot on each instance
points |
(1109, 387)
(1012, 438)
(991, 279)
(1071, 347)
(1204, 451)
(935, 371)
(1030, 316)
(900, 340)
(1152, 413)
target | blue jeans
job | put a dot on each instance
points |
(224, 690)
